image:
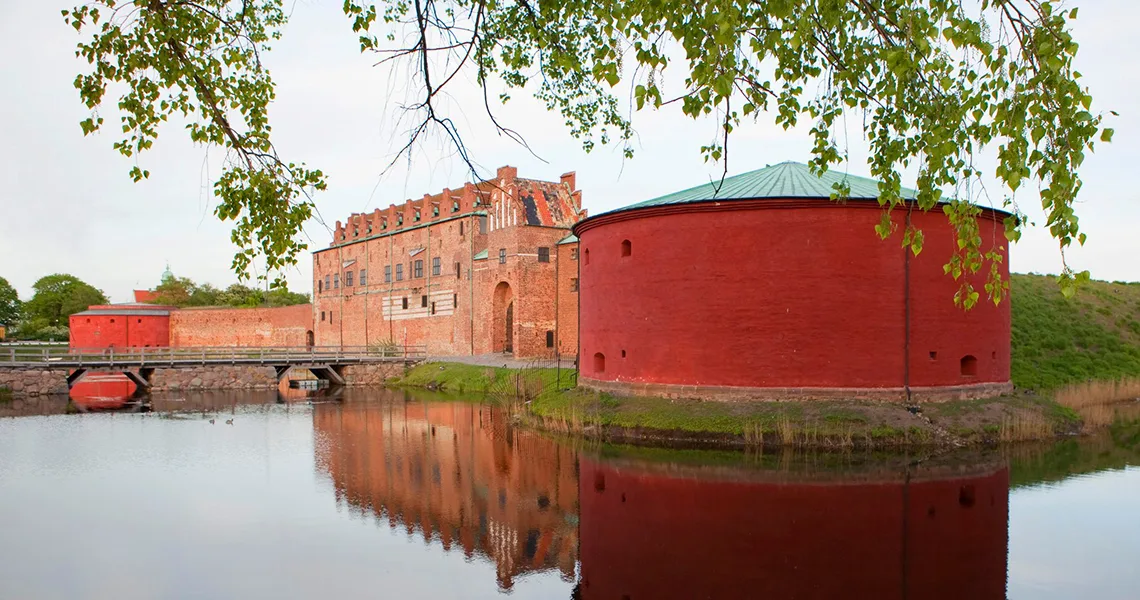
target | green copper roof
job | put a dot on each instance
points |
(570, 239)
(481, 255)
(785, 180)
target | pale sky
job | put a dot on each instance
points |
(67, 204)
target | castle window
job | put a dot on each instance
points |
(435, 266)
(573, 254)
(482, 223)
(626, 248)
(322, 315)
(140, 320)
(417, 215)
(419, 269)
(330, 317)
(455, 301)
(400, 272)
(574, 284)
(457, 270)
(502, 256)
(549, 339)
(364, 277)
(969, 366)
(320, 287)
(433, 308)
(586, 257)
(388, 274)
(405, 303)
(348, 279)
(399, 219)
(461, 229)
(435, 210)
(355, 232)
(423, 301)
(544, 255)
(336, 281)
(599, 362)
(455, 206)
(327, 282)
(933, 355)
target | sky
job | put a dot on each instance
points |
(68, 206)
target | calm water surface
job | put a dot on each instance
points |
(388, 495)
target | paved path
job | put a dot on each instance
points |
(504, 360)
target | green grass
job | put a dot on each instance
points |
(470, 379)
(1058, 341)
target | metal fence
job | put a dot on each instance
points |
(66, 357)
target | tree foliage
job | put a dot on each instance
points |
(57, 297)
(933, 84)
(10, 307)
(184, 292)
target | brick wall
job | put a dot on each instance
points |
(450, 314)
(285, 326)
(782, 295)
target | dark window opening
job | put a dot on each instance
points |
(933, 355)
(140, 320)
(967, 496)
(573, 254)
(336, 281)
(322, 315)
(435, 210)
(417, 215)
(112, 320)
(388, 274)
(455, 207)
(461, 229)
(544, 255)
(574, 284)
(348, 279)
(400, 219)
(435, 266)
(457, 270)
(969, 366)
(320, 286)
(419, 269)
(599, 362)
(330, 317)
(993, 355)
(502, 256)
(586, 257)
(623, 353)
(626, 248)
(433, 308)
(454, 300)
(549, 339)
(423, 301)
(363, 277)
(400, 272)
(88, 320)
(405, 303)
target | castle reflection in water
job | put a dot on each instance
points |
(459, 474)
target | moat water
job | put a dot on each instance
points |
(384, 494)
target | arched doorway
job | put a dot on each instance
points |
(309, 339)
(503, 335)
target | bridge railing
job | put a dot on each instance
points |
(50, 355)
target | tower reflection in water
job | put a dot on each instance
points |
(646, 529)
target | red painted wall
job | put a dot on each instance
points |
(111, 328)
(780, 294)
(647, 535)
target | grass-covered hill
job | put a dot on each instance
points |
(1058, 340)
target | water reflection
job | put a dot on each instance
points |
(485, 508)
(459, 473)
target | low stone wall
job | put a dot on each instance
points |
(29, 382)
(371, 375)
(214, 378)
(746, 394)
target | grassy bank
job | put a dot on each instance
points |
(1058, 341)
